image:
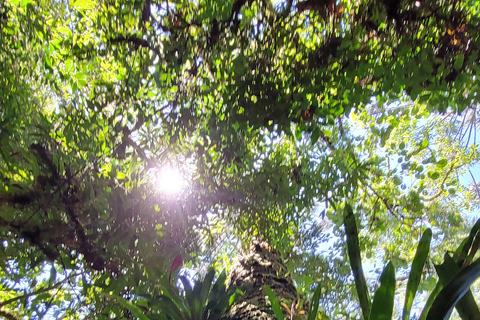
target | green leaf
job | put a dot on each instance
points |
(434, 175)
(431, 298)
(353, 247)
(218, 288)
(442, 163)
(142, 303)
(195, 300)
(169, 308)
(423, 144)
(275, 303)
(458, 64)
(424, 97)
(83, 5)
(453, 292)
(416, 271)
(466, 307)
(68, 263)
(315, 135)
(23, 3)
(136, 311)
(100, 282)
(298, 132)
(382, 307)
(207, 284)
(8, 215)
(466, 247)
(397, 181)
(313, 310)
(101, 136)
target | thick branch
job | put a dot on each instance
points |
(136, 41)
(150, 163)
(287, 9)
(86, 248)
(7, 316)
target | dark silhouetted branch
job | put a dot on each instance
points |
(135, 41)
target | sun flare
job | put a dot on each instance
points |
(169, 180)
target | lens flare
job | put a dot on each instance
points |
(169, 180)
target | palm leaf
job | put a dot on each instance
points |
(416, 272)
(382, 307)
(277, 310)
(453, 292)
(312, 314)
(353, 247)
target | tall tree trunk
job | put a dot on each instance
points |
(259, 267)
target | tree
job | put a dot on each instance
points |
(256, 104)
(261, 267)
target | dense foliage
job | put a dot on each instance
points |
(278, 115)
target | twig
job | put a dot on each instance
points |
(385, 203)
(475, 183)
(442, 189)
(327, 141)
(141, 152)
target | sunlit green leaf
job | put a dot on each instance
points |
(313, 311)
(83, 4)
(454, 291)
(416, 271)
(353, 247)
(382, 307)
(274, 303)
(459, 61)
(442, 163)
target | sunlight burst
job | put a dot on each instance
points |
(169, 180)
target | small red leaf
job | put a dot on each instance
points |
(177, 262)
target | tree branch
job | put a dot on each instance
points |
(287, 9)
(150, 163)
(7, 316)
(136, 41)
(474, 183)
(442, 189)
(327, 141)
(96, 261)
(389, 207)
(39, 291)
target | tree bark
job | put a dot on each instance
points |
(259, 267)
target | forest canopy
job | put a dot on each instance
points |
(141, 137)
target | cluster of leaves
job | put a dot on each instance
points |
(407, 173)
(456, 275)
(294, 312)
(208, 299)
